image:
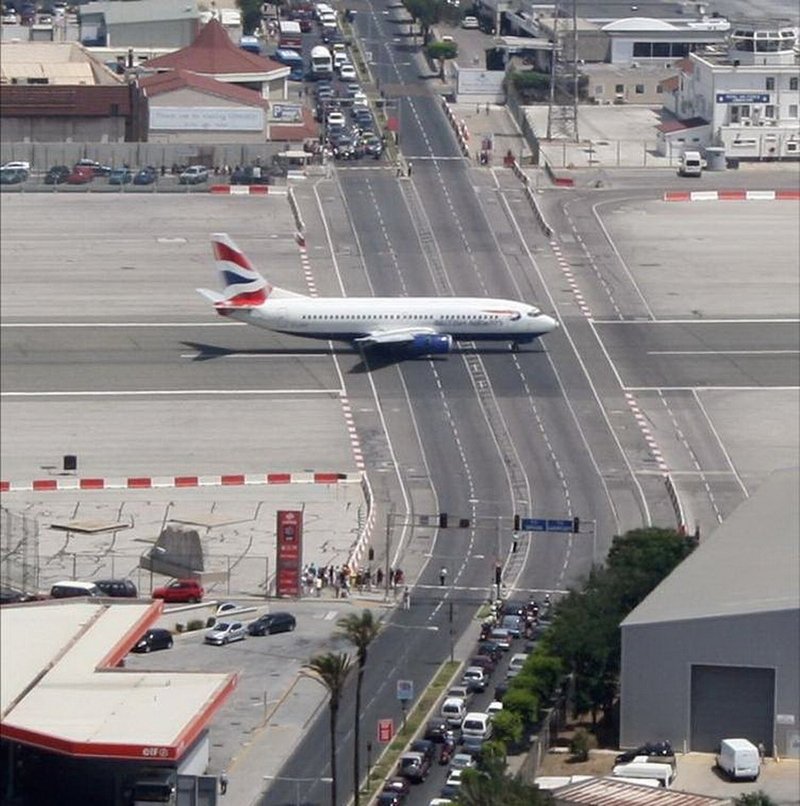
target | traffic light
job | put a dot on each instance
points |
(517, 523)
(576, 525)
(442, 520)
(463, 523)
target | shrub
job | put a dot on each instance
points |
(581, 745)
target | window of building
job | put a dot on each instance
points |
(770, 84)
(792, 110)
(769, 111)
(619, 89)
(640, 89)
(793, 83)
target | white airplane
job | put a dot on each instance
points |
(419, 325)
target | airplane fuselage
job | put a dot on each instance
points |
(350, 318)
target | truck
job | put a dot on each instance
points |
(290, 36)
(691, 164)
(738, 759)
(321, 62)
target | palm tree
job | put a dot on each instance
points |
(331, 670)
(360, 630)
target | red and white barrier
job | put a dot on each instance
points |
(166, 482)
(239, 190)
(732, 195)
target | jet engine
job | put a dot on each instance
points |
(431, 343)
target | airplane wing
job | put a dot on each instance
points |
(405, 335)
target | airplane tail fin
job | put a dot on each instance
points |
(243, 286)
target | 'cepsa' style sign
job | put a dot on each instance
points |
(289, 552)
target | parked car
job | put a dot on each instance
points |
(118, 588)
(650, 749)
(80, 175)
(120, 176)
(153, 639)
(225, 632)
(271, 623)
(57, 175)
(414, 767)
(97, 168)
(194, 175)
(180, 590)
(12, 176)
(145, 176)
(70, 588)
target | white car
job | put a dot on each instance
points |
(470, 22)
(194, 175)
(347, 71)
(225, 632)
(494, 707)
(462, 761)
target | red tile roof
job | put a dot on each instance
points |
(181, 79)
(213, 53)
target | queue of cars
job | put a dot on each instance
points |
(453, 739)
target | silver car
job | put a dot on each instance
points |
(224, 632)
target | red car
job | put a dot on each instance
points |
(180, 590)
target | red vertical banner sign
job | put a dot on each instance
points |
(289, 552)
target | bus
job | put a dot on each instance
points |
(289, 35)
(293, 60)
(321, 62)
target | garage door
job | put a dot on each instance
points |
(731, 702)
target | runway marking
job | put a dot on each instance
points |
(722, 352)
(320, 354)
(764, 321)
(122, 324)
(176, 392)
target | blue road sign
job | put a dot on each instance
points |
(559, 526)
(534, 525)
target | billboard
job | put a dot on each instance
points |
(207, 118)
(289, 561)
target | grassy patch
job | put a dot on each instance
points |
(414, 719)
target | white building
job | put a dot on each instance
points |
(747, 93)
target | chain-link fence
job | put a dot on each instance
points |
(19, 551)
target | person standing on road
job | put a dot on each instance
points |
(442, 576)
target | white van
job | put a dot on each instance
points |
(453, 711)
(738, 758)
(69, 588)
(691, 164)
(651, 770)
(477, 724)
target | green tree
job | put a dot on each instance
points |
(442, 51)
(251, 15)
(360, 630)
(521, 700)
(331, 671)
(426, 13)
(508, 727)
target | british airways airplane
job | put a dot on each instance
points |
(419, 325)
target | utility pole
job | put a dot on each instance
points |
(562, 111)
